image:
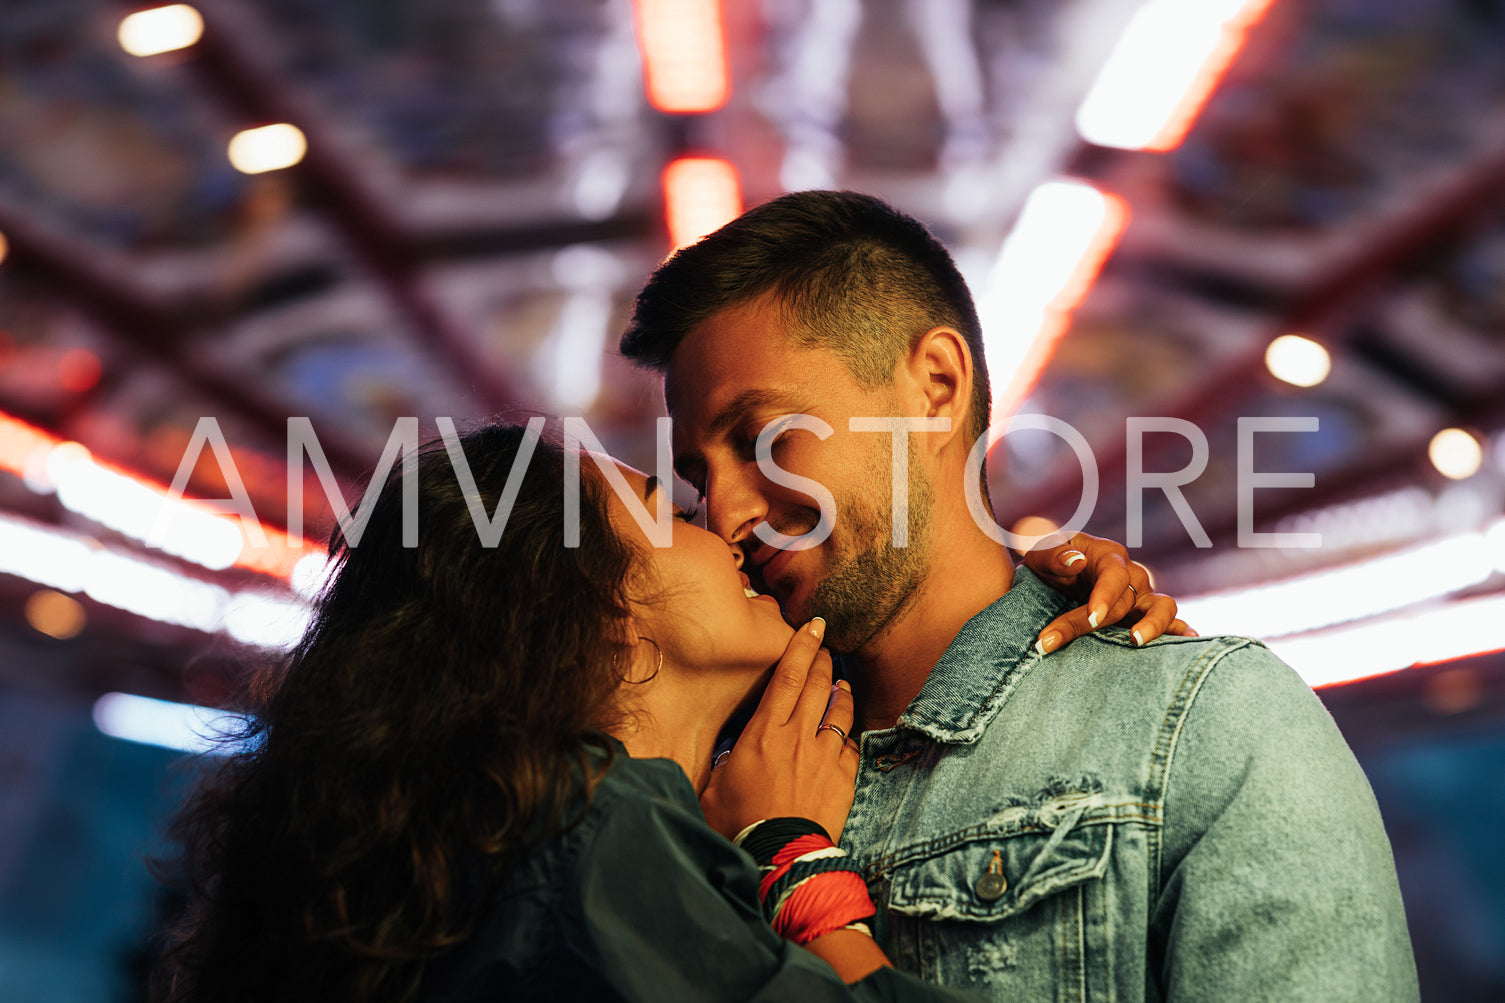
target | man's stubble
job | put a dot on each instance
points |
(869, 581)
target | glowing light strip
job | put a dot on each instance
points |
(1352, 592)
(181, 726)
(72, 563)
(129, 504)
(684, 54)
(1168, 61)
(700, 195)
(21, 445)
(1063, 236)
(130, 507)
(1296, 616)
(1456, 630)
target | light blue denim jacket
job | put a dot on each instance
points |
(1179, 822)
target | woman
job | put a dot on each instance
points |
(476, 776)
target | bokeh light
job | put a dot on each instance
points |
(161, 29)
(269, 148)
(1456, 454)
(700, 194)
(52, 613)
(1298, 361)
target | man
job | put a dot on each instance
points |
(1103, 821)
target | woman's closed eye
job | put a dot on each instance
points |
(655, 485)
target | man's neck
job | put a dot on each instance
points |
(970, 573)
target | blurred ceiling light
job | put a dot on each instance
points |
(1351, 592)
(1456, 454)
(700, 195)
(579, 344)
(269, 148)
(185, 727)
(1456, 630)
(161, 29)
(54, 614)
(20, 444)
(1165, 66)
(601, 183)
(576, 347)
(1298, 361)
(129, 504)
(684, 54)
(1063, 236)
(69, 562)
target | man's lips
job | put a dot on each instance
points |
(767, 563)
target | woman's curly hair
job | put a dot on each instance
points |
(438, 717)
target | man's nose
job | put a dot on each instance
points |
(734, 505)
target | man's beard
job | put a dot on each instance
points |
(867, 586)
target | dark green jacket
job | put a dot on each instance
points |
(643, 901)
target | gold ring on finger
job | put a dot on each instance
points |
(834, 728)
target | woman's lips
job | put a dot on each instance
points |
(770, 569)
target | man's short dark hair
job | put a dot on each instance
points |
(854, 276)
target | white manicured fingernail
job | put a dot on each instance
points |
(1074, 558)
(1092, 620)
(1137, 638)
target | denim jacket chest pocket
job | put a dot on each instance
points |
(1014, 898)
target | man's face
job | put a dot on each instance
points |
(733, 375)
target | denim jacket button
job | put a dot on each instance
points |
(991, 886)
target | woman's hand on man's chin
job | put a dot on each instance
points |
(794, 757)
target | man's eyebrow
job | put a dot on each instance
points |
(649, 486)
(748, 400)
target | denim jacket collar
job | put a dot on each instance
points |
(979, 668)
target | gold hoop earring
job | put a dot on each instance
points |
(656, 669)
(659, 667)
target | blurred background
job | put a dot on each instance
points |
(1185, 212)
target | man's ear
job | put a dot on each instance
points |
(938, 378)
